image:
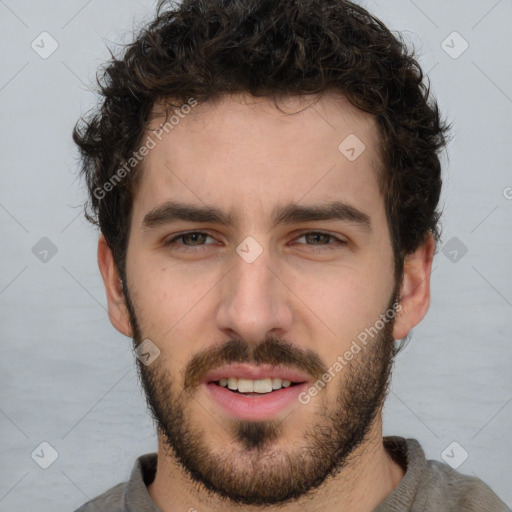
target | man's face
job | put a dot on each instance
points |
(276, 293)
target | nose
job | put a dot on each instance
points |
(255, 302)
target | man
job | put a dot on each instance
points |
(265, 176)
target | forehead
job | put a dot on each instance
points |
(242, 154)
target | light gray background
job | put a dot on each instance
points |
(68, 378)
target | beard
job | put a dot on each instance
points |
(251, 470)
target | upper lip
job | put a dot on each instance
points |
(246, 371)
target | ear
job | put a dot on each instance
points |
(117, 310)
(415, 290)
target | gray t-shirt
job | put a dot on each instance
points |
(427, 486)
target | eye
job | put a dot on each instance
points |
(197, 239)
(194, 237)
(319, 236)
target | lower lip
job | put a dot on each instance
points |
(255, 408)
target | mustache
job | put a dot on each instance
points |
(272, 351)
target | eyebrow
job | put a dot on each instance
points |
(170, 212)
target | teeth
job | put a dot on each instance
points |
(245, 386)
(277, 383)
(254, 386)
(261, 386)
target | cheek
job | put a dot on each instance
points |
(343, 301)
(171, 301)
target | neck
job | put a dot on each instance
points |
(366, 480)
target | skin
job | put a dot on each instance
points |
(242, 155)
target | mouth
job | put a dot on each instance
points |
(254, 394)
(259, 387)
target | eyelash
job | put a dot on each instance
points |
(173, 241)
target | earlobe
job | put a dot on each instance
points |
(415, 290)
(117, 310)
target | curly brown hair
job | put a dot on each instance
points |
(204, 49)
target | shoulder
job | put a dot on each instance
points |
(432, 486)
(130, 496)
(109, 501)
(462, 492)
